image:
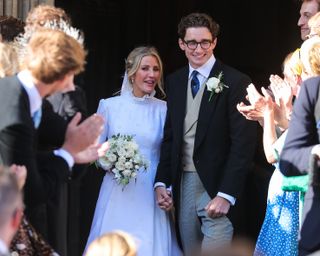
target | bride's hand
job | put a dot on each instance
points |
(164, 199)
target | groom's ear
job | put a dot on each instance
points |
(181, 44)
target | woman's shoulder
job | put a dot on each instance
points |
(110, 100)
(159, 102)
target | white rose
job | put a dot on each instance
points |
(122, 159)
(122, 152)
(130, 153)
(133, 174)
(212, 83)
(133, 145)
(128, 165)
(112, 157)
(126, 173)
(217, 90)
(120, 166)
(104, 163)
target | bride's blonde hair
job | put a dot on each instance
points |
(134, 59)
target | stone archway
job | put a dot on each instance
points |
(20, 8)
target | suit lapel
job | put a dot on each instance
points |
(206, 107)
(180, 99)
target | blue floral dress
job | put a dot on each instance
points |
(279, 232)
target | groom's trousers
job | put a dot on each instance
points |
(198, 231)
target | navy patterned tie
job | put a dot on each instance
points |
(195, 84)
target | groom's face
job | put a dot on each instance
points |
(198, 56)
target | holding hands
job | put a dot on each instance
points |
(164, 198)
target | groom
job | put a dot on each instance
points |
(207, 146)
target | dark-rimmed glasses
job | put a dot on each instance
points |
(192, 45)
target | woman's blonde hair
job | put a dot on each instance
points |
(52, 54)
(292, 63)
(314, 58)
(8, 60)
(134, 60)
(116, 243)
(306, 58)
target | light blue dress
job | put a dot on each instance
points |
(134, 209)
(279, 233)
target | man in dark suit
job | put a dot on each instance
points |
(52, 59)
(62, 211)
(301, 143)
(207, 146)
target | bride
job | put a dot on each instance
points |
(136, 112)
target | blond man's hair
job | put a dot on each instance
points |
(116, 243)
(9, 64)
(52, 54)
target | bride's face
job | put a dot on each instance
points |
(146, 77)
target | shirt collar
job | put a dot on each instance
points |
(205, 69)
(3, 248)
(33, 94)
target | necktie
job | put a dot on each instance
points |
(37, 118)
(195, 84)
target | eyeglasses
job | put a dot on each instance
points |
(192, 45)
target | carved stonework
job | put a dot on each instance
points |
(20, 8)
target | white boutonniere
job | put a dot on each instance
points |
(215, 85)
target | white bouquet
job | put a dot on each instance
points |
(123, 159)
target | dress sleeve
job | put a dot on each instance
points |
(278, 145)
(103, 111)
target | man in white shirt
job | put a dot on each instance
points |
(52, 59)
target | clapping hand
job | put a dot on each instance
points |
(255, 110)
(81, 140)
(283, 98)
(281, 90)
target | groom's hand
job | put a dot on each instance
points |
(164, 199)
(217, 207)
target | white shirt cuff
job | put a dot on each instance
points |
(159, 184)
(231, 199)
(315, 149)
(65, 155)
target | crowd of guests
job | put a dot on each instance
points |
(200, 143)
